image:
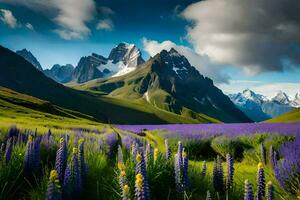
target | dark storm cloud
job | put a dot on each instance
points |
(255, 35)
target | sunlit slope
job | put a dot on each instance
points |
(293, 116)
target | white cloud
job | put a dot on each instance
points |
(29, 26)
(201, 62)
(105, 24)
(7, 17)
(71, 16)
(254, 35)
(267, 89)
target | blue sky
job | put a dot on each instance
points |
(237, 52)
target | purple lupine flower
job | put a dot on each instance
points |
(29, 156)
(218, 176)
(229, 171)
(13, 131)
(271, 157)
(82, 163)
(120, 158)
(204, 168)
(261, 185)
(208, 196)
(72, 178)
(263, 153)
(61, 159)
(111, 140)
(134, 151)
(168, 150)
(37, 153)
(270, 191)
(141, 169)
(8, 150)
(139, 193)
(185, 178)
(248, 195)
(179, 171)
(287, 170)
(53, 187)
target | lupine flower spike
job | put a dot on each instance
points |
(260, 182)
(270, 192)
(218, 176)
(185, 171)
(61, 159)
(229, 172)
(123, 180)
(139, 194)
(8, 150)
(263, 153)
(168, 150)
(126, 192)
(72, 179)
(53, 187)
(141, 169)
(248, 191)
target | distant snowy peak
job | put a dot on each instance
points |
(281, 98)
(129, 54)
(296, 101)
(247, 95)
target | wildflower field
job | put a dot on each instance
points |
(217, 161)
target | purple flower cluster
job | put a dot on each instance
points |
(229, 171)
(248, 195)
(32, 155)
(287, 170)
(61, 159)
(199, 131)
(261, 183)
(72, 178)
(218, 176)
(53, 187)
(141, 169)
(8, 149)
(181, 171)
(270, 191)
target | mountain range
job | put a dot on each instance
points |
(122, 59)
(134, 92)
(260, 108)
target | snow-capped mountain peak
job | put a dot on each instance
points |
(281, 98)
(296, 101)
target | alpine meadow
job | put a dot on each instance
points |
(149, 100)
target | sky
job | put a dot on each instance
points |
(238, 44)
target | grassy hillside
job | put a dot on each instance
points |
(293, 116)
(19, 75)
(27, 111)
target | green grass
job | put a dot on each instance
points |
(293, 116)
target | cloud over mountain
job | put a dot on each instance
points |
(201, 62)
(257, 36)
(7, 17)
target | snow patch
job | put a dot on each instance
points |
(146, 95)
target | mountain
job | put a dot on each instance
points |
(21, 76)
(30, 58)
(168, 82)
(251, 104)
(122, 59)
(259, 107)
(60, 73)
(296, 101)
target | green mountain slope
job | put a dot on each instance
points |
(169, 82)
(28, 111)
(293, 116)
(19, 75)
